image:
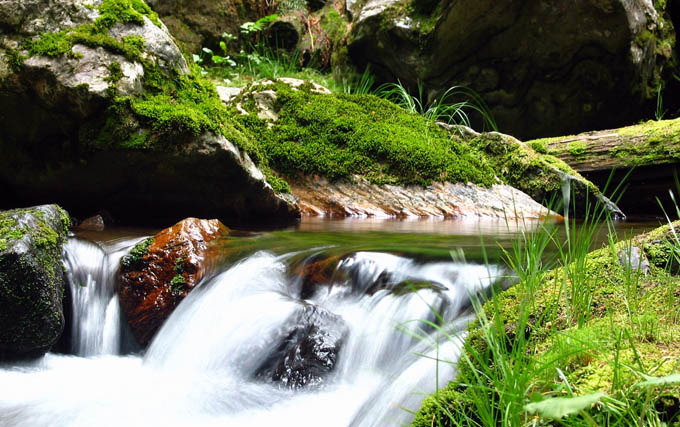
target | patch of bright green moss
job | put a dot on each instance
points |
(340, 135)
(61, 43)
(136, 254)
(125, 11)
(653, 142)
(577, 148)
(8, 230)
(177, 284)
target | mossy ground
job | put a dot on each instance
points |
(626, 326)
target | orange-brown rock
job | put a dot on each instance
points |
(315, 271)
(160, 271)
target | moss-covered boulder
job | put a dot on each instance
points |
(594, 325)
(100, 110)
(544, 68)
(362, 155)
(644, 158)
(31, 279)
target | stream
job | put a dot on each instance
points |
(386, 344)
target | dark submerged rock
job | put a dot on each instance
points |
(31, 279)
(308, 351)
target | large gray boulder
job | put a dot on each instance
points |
(31, 279)
(99, 110)
(544, 68)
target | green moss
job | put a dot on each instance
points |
(334, 25)
(179, 264)
(50, 44)
(15, 59)
(125, 11)
(177, 284)
(340, 135)
(539, 146)
(520, 166)
(8, 230)
(577, 148)
(31, 282)
(137, 253)
(653, 142)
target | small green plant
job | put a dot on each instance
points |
(361, 85)
(208, 54)
(659, 113)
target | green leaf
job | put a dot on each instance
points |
(208, 51)
(223, 46)
(197, 59)
(559, 407)
(651, 381)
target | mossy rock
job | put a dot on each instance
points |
(31, 279)
(120, 122)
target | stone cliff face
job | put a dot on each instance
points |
(543, 67)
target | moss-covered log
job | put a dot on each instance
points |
(645, 155)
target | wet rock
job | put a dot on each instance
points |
(313, 273)
(31, 279)
(309, 350)
(544, 68)
(93, 223)
(634, 259)
(160, 271)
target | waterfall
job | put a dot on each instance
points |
(91, 270)
(397, 323)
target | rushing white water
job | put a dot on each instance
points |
(202, 367)
(91, 272)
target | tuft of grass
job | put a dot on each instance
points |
(578, 345)
(452, 107)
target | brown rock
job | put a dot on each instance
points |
(93, 223)
(160, 271)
